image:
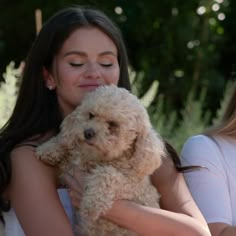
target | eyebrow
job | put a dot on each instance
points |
(83, 54)
(108, 53)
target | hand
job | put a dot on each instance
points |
(75, 183)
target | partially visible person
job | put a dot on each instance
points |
(77, 50)
(213, 186)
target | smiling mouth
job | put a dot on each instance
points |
(89, 85)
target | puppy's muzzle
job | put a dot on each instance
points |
(89, 133)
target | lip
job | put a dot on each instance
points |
(89, 85)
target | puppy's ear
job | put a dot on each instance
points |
(68, 129)
(149, 150)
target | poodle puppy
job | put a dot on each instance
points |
(111, 138)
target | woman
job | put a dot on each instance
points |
(76, 51)
(213, 187)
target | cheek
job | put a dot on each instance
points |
(67, 77)
(64, 72)
(113, 78)
(116, 78)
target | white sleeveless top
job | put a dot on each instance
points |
(213, 187)
(13, 228)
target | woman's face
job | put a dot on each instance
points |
(87, 59)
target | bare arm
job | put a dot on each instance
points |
(180, 217)
(148, 221)
(33, 196)
(222, 229)
(174, 191)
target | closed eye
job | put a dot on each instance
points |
(76, 64)
(106, 65)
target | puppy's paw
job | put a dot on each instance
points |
(49, 152)
(44, 153)
(102, 189)
(94, 207)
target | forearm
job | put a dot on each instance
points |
(229, 231)
(220, 229)
(151, 222)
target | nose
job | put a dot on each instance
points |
(89, 133)
(93, 71)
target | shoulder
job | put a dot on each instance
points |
(199, 141)
(27, 170)
(197, 149)
(23, 155)
(33, 189)
(23, 158)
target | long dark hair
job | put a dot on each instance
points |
(36, 110)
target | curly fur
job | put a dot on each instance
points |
(109, 136)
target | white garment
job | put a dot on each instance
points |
(214, 187)
(13, 228)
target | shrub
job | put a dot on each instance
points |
(9, 91)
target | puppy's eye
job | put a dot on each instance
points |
(113, 127)
(91, 115)
(112, 124)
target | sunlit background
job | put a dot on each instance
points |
(181, 55)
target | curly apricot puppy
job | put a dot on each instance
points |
(109, 136)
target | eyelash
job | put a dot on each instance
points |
(106, 65)
(76, 64)
(79, 65)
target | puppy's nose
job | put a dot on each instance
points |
(89, 133)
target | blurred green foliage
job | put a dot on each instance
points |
(9, 91)
(174, 47)
(176, 131)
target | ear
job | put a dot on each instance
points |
(149, 150)
(48, 78)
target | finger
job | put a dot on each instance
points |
(78, 175)
(75, 198)
(73, 184)
(75, 202)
